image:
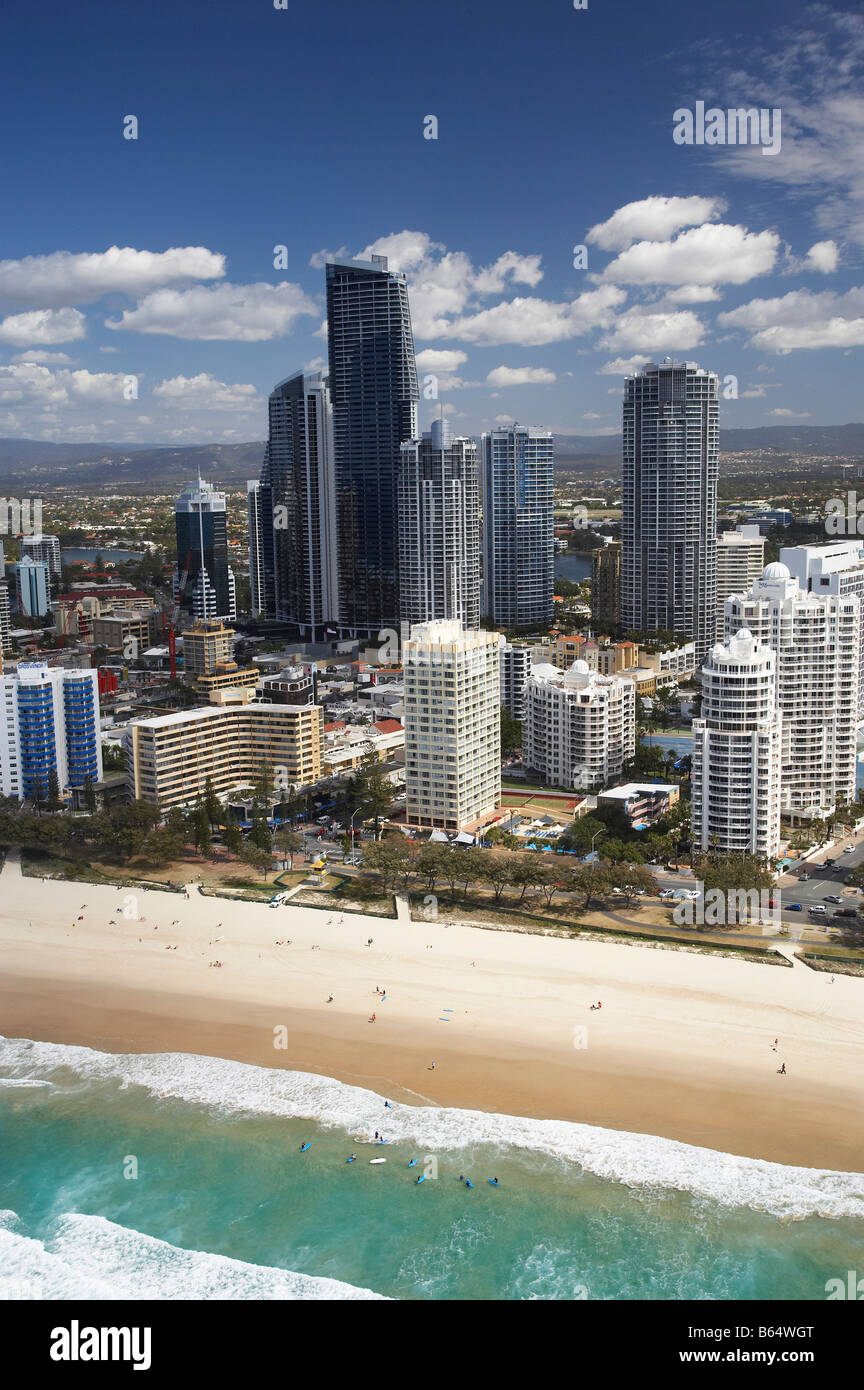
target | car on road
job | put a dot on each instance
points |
(668, 893)
(848, 849)
(817, 910)
(833, 898)
(829, 864)
(794, 907)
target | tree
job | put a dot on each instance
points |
(201, 829)
(89, 794)
(390, 859)
(233, 836)
(630, 878)
(212, 804)
(289, 842)
(260, 834)
(371, 793)
(511, 733)
(256, 858)
(497, 870)
(432, 862)
(591, 879)
(581, 834)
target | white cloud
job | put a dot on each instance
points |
(801, 319)
(33, 385)
(622, 366)
(591, 415)
(692, 294)
(204, 392)
(64, 278)
(440, 359)
(655, 218)
(712, 254)
(42, 327)
(240, 313)
(791, 414)
(534, 322)
(823, 256)
(40, 355)
(655, 332)
(520, 376)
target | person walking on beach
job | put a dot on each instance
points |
(432, 1068)
(782, 1069)
(372, 1019)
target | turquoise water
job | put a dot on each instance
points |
(225, 1205)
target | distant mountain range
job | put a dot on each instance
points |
(30, 463)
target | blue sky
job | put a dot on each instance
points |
(303, 128)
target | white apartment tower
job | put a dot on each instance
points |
(579, 728)
(452, 725)
(831, 569)
(438, 513)
(740, 562)
(516, 664)
(737, 751)
(816, 641)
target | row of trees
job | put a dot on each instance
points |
(397, 865)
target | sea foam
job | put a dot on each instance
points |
(637, 1160)
(87, 1257)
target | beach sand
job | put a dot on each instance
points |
(682, 1046)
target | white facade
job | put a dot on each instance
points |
(579, 728)
(737, 751)
(831, 569)
(44, 548)
(438, 502)
(515, 670)
(816, 640)
(452, 725)
(740, 562)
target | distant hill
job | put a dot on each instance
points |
(126, 467)
(835, 440)
(30, 463)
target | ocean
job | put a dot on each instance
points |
(181, 1177)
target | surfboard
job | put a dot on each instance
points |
(377, 1160)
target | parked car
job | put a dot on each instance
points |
(846, 912)
(833, 898)
(668, 893)
(794, 907)
(818, 910)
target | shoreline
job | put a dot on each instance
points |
(682, 1047)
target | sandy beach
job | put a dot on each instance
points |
(682, 1046)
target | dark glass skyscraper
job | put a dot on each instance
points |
(300, 463)
(204, 579)
(373, 387)
(669, 511)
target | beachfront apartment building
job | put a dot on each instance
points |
(837, 568)
(516, 484)
(740, 561)
(816, 641)
(438, 518)
(515, 669)
(579, 727)
(452, 725)
(737, 749)
(49, 730)
(669, 502)
(171, 758)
